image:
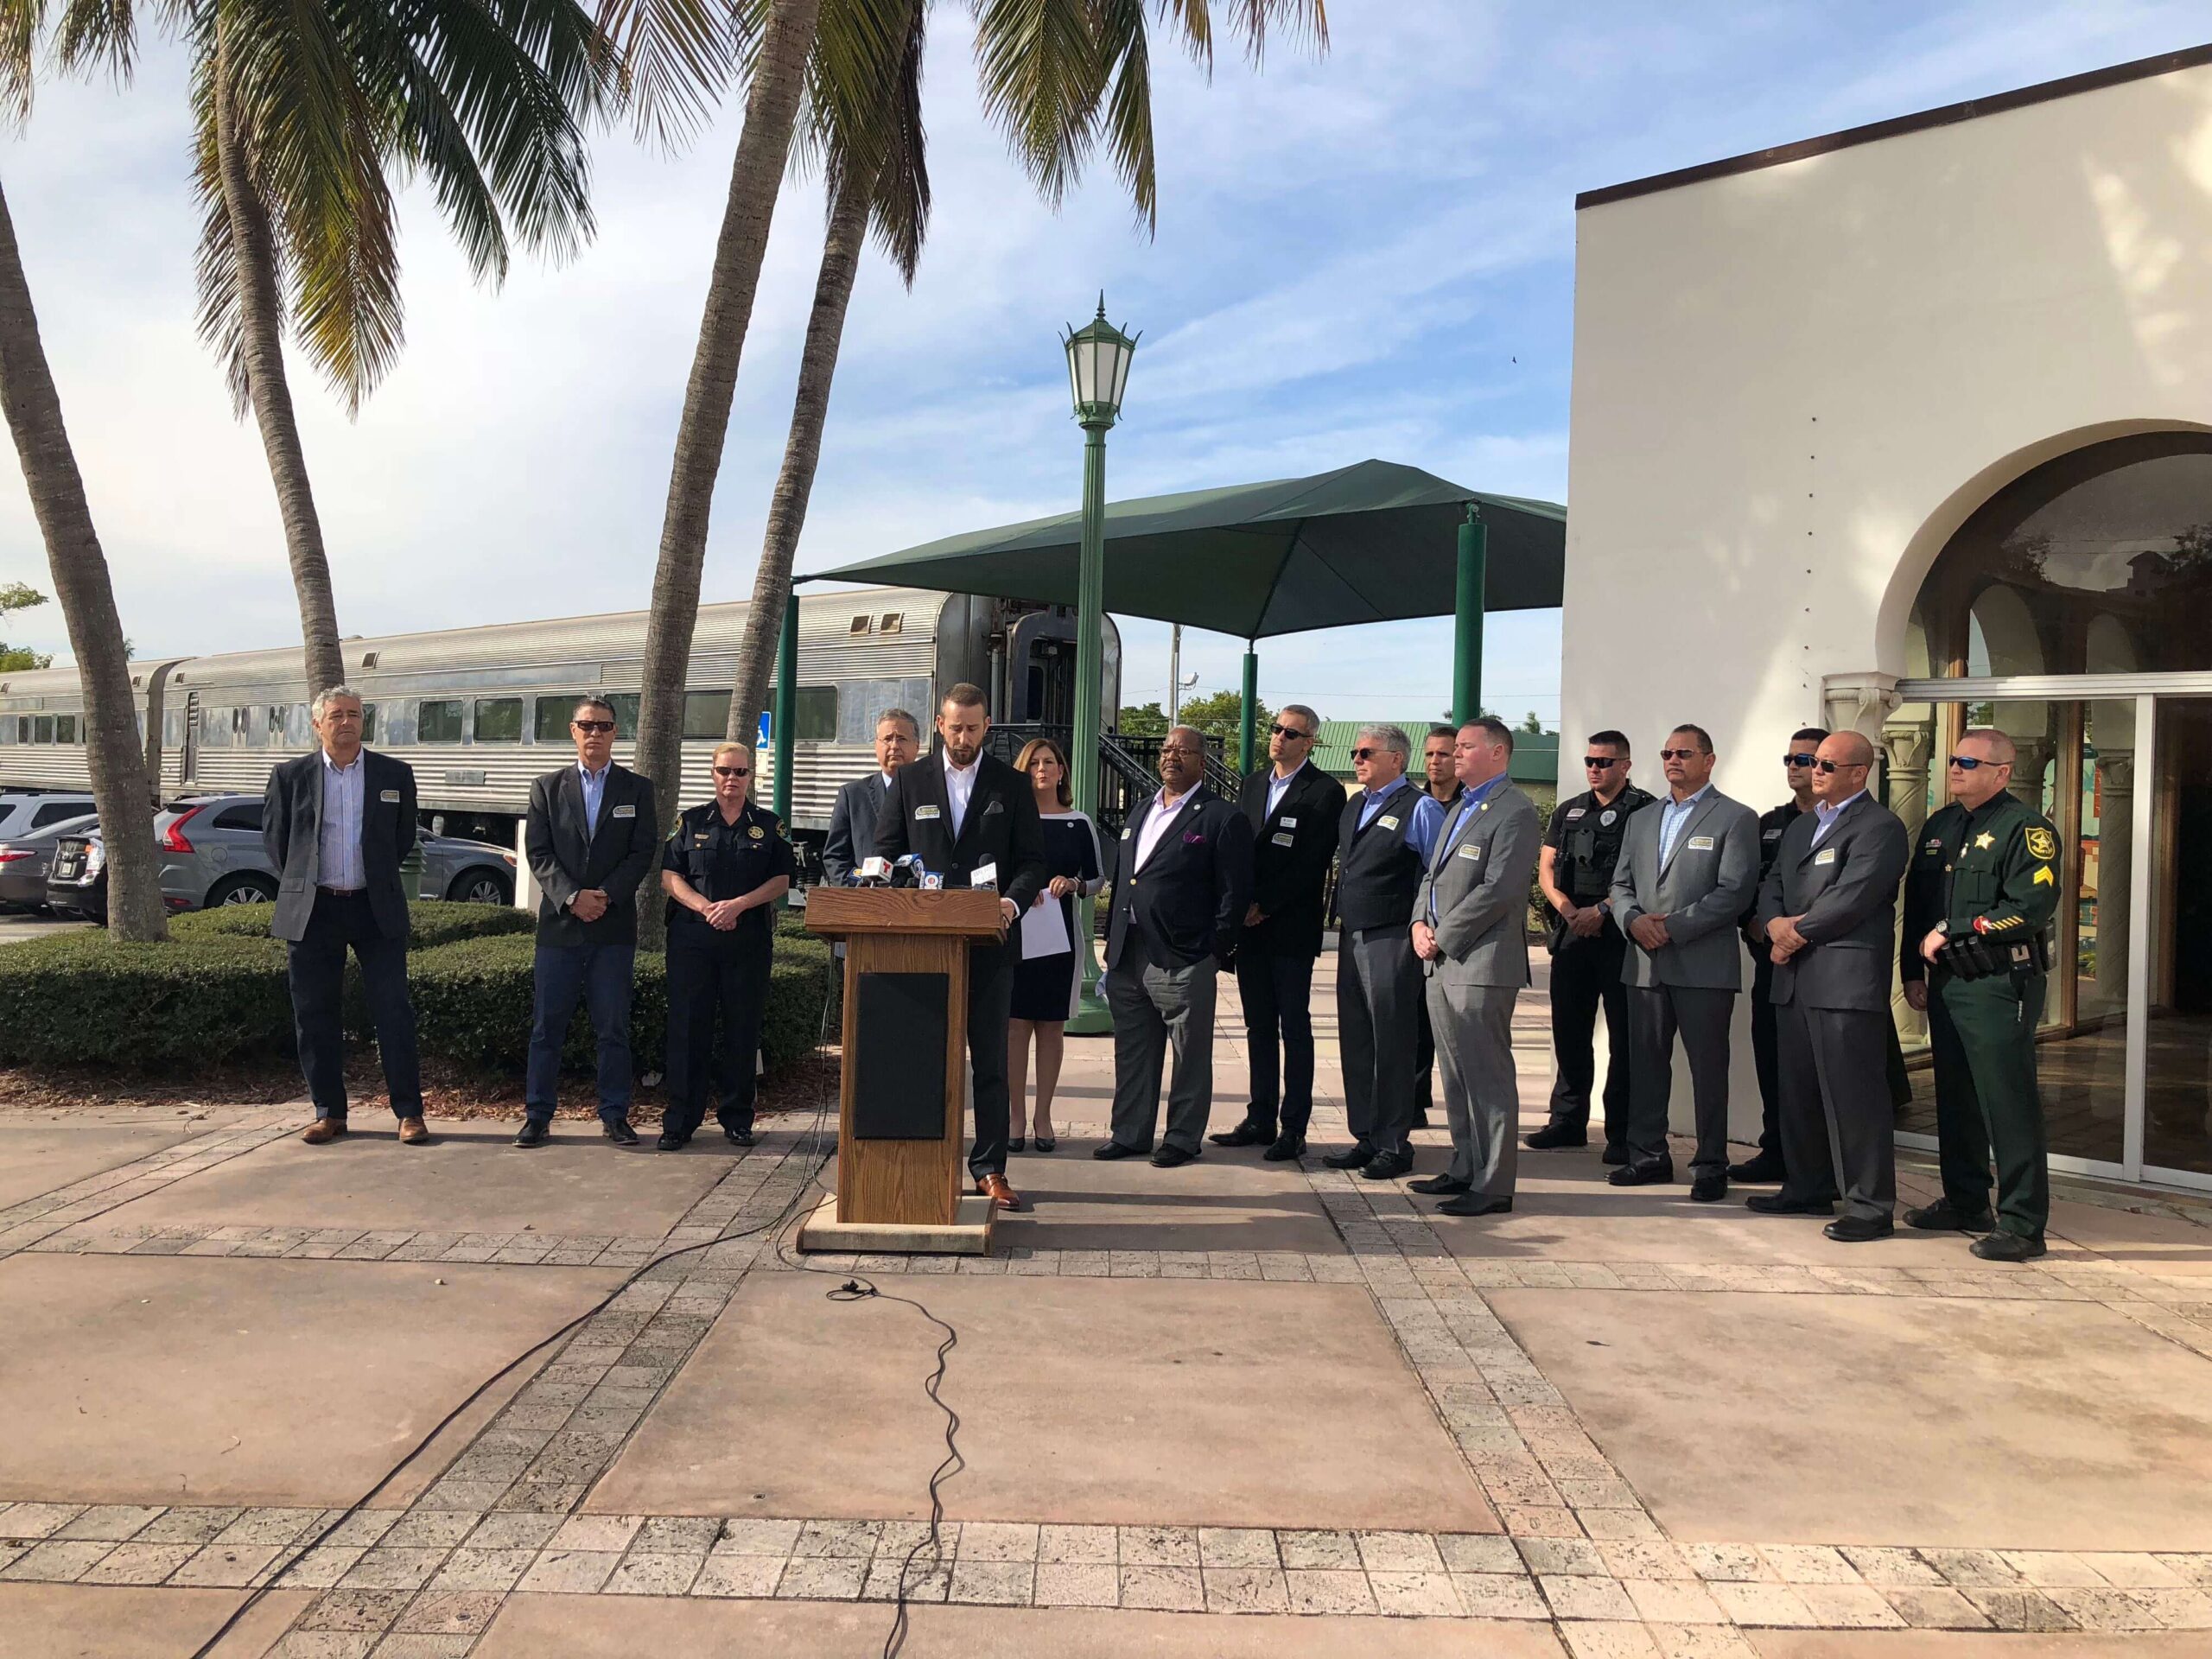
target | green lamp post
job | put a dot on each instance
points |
(1098, 372)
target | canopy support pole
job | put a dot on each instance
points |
(1248, 722)
(1467, 634)
(786, 730)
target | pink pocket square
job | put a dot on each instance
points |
(1192, 838)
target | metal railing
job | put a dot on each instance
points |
(1128, 766)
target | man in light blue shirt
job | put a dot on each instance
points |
(339, 832)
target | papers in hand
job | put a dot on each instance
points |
(1045, 930)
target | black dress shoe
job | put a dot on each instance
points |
(1708, 1189)
(533, 1132)
(1468, 1205)
(1247, 1134)
(669, 1141)
(1941, 1217)
(1641, 1174)
(620, 1132)
(1556, 1134)
(1387, 1166)
(737, 1137)
(1615, 1155)
(1115, 1149)
(1442, 1185)
(1859, 1230)
(1358, 1155)
(1781, 1204)
(2008, 1247)
(1286, 1147)
(1760, 1168)
(1171, 1157)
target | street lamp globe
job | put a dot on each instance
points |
(1098, 368)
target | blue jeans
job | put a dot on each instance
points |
(601, 976)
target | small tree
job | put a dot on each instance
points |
(20, 596)
(1151, 720)
(1533, 726)
(1221, 713)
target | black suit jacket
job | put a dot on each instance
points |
(1187, 902)
(851, 826)
(566, 857)
(1845, 895)
(291, 833)
(1291, 850)
(1002, 826)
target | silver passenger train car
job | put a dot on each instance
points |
(478, 712)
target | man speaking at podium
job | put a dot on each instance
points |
(972, 819)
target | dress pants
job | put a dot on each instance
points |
(1655, 1014)
(1838, 1128)
(1277, 992)
(1766, 1054)
(712, 973)
(1981, 1035)
(1585, 976)
(990, 1005)
(316, 968)
(1378, 993)
(1482, 1098)
(1424, 1064)
(601, 976)
(1156, 1007)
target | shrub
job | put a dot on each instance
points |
(431, 922)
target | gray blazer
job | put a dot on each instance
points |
(1478, 879)
(291, 834)
(1845, 892)
(851, 826)
(1703, 891)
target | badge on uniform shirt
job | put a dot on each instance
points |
(1607, 817)
(759, 833)
(1984, 841)
(924, 814)
(391, 798)
(1390, 823)
(625, 812)
(1575, 812)
(2042, 843)
(701, 839)
(1700, 843)
(1281, 840)
(1935, 845)
(1826, 855)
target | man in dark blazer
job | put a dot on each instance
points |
(1182, 882)
(338, 824)
(591, 836)
(960, 812)
(860, 804)
(1293, 807)
(1828, 911)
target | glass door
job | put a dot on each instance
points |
(2176, 1132)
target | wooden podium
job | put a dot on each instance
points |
(903, 1094)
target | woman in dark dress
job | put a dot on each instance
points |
(1045, 979)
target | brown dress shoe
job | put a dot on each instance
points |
(323, 1130)
(994, 1188)
(412, 1134)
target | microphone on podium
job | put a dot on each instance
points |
(875, 872)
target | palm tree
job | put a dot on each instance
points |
(302, 113)
(81, 582)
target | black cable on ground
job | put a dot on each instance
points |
(812, 1134)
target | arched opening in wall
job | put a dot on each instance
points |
(2095, 563)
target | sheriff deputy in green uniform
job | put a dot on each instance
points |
(1983, 886)
(723, 870)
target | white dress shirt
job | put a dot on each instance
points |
(339, 833)
(1277, 785)
(1824, 815)
(1155, 825)
(959, 785)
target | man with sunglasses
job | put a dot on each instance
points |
(1984, 886)
(724, 871)
(1575, 870)
(590, 837)
(1679, 893)
(1293, 807)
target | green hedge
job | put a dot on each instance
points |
(214, 995)
(431, 922)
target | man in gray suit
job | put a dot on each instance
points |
(1470, 931)
(1828, 911)
(852, 820)
(1687, 874)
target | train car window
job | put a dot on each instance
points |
(550, 721)
(439, 721)
(42, 728)
(858, 625)
(172, 728)
(817, 715)
(280, 723)
(891, 622)
(246, 815)
(625, 716)
(214, 728)
(706, 715)
(65, 728)
(10, 727)
(369, 720)
(499, 719)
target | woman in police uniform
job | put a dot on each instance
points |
(723, 870)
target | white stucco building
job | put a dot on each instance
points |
(1911, 426)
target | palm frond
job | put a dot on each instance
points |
(21, 21)
(216, 263)
(1302, 20)
(677, 58)
(91, 35)
(1043, 82)
(1129, 104)
(900, 204)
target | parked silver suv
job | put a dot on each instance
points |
(210, 853)
(24, 810)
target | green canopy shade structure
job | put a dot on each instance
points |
(1373, 542)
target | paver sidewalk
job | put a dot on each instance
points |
(1232, 1408)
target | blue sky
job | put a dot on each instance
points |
(1365, 253)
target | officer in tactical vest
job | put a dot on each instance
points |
(1982, 889)
(1575, 870)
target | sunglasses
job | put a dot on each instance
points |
(1680, 754)
(593, 726)
(733, 771)
(1368, 755)
(1795, 760)
(1278, 730)
(1839, 765)
(1969, 763)
(1599, 762)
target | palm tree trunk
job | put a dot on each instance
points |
(771, 581)
(261, 325)
(80, 583)
(763, 149)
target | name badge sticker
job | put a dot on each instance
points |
(1700, 843)
(1471, 852)
(625, 812)
(1575, 812)
(388, 796)
(1289, 823)
(1826, 855)
(926, 814)
(1127, 829)
(1282, 840)
(1389, 822)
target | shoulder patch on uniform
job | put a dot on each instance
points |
(2041, 842)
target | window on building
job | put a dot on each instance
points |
(65, 728)
(706, 715)
(499, 719)
(439, 721)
